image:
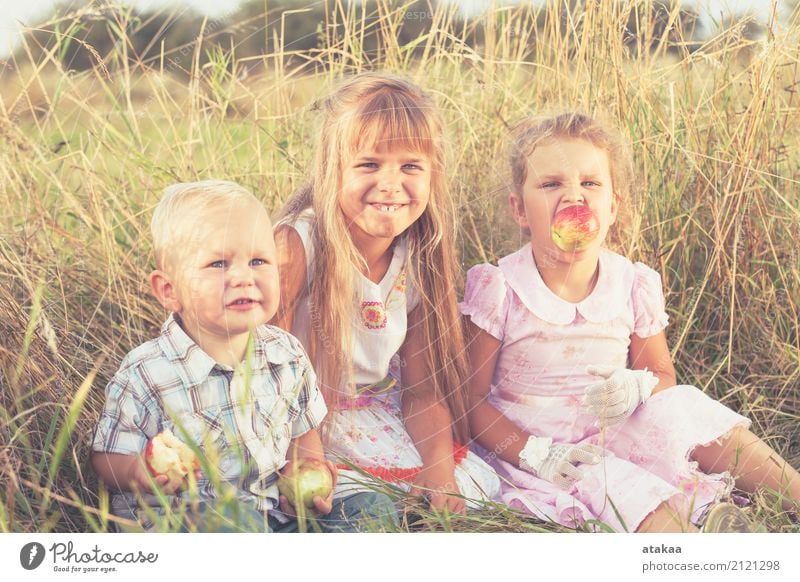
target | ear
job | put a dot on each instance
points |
(518, 210)
(615, 200)
(164, 290)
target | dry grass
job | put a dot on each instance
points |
(84, 156)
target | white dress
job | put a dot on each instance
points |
(369, 431)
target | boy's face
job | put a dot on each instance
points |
(224, 275)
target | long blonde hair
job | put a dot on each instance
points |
(365, 109)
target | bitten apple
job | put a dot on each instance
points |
(304, 480)
(574, 228)
(167, 455)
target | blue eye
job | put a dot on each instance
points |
(257, 262)
(217, 264)
(590, 183)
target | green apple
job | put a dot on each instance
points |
(304, 480)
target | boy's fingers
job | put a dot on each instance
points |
(286, 507)
(161, 481)
(334, 471)
(323, 506)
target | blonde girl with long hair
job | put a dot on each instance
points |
(367, 263)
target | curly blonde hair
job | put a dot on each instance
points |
(533, 132)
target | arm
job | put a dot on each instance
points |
(558, 463)
(490, 427)
(653, 353)
(128, 473)
(292, 273)
(119, 437)
(428, 422)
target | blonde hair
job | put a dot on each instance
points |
(180, 207)
(533, 132)
(364, 110)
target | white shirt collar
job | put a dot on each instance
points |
(607, 301)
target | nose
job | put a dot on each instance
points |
(573, 193)
(240, 276)
(389, 181)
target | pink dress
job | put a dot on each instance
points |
(539, 380)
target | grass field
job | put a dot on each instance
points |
(84, 156)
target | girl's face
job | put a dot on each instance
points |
(384, 190)
(563, 173)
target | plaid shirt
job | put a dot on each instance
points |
(170, 382)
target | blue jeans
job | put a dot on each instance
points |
(366, 511)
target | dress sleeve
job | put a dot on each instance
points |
(649, 314)
(486, 299)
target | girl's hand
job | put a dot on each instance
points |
(558, 463)
(439, 487)
(618, 394)
(321, 506)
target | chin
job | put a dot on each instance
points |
(239, 326)
(383, 231)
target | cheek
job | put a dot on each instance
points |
(270, 286)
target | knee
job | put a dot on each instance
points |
(369, 511)
(669, 517)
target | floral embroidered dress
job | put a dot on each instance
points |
(369, 431)
(540, 377)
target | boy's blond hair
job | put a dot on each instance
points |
(181, 206)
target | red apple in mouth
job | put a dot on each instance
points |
(574, 228)
(166, 455)
(304, 480)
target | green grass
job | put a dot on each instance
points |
(84, 156)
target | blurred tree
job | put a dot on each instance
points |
(84, 34)
(663, 24)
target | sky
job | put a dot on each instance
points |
(14, 14)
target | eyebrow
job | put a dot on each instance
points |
(584, 175)
(405, 161)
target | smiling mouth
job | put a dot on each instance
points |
(387, 207)
(242, 302)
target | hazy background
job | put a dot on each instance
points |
(16, 15)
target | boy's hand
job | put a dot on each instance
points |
(438, 486)
(321, 506)
(140, 477)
